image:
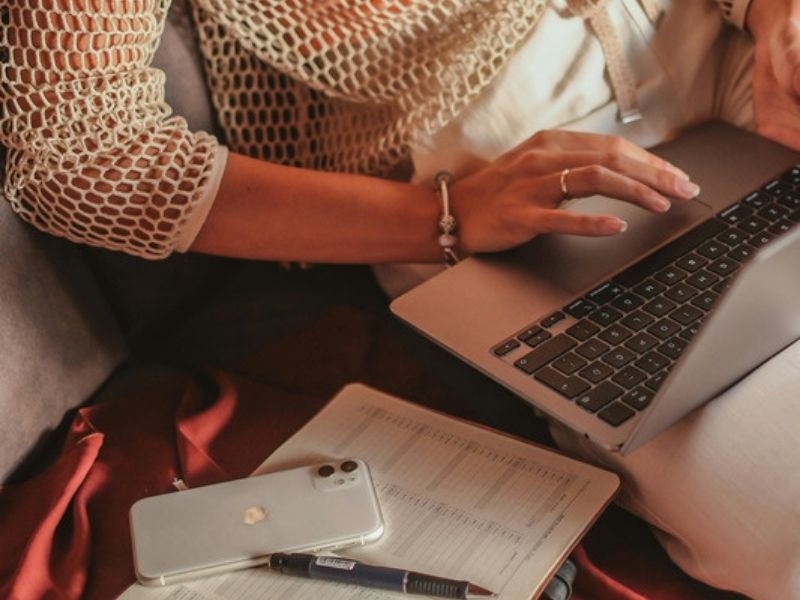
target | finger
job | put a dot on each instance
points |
(796, 81)
(563, 221)
(596, 179)
(784, 52)
(665, 181)
(574, 141)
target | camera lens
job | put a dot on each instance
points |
(349, 466)
(325, 471)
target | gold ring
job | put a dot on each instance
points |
(564, 189)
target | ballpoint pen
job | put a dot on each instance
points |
(344, 570)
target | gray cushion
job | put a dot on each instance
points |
(58, 340)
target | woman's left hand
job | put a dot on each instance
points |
(775, 27)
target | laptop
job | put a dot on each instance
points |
(620, 337)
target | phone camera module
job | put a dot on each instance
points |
(349, 466)
(325, 471)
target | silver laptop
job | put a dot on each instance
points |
(620, 337)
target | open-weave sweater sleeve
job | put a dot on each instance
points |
(94, 153)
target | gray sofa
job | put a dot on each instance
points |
(69, 314)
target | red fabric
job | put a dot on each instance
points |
(65, 533)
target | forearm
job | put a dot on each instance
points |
(271, 212)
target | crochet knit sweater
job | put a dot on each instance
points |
(95, 154)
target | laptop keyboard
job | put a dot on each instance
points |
(627, 333)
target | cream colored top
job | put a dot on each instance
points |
(96, 156)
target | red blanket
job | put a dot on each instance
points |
(64, 534)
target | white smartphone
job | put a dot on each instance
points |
(238, 524)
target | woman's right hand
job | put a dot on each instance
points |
(517, 197)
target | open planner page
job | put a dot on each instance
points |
(458, 500)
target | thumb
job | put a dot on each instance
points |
(796, 80)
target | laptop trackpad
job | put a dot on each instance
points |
(574, 263)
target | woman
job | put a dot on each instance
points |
(313, 97)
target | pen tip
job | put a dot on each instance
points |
(476, 591)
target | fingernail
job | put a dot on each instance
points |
(615, 225)
(688, 189)
(661, 204)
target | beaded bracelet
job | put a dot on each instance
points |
(447, 222)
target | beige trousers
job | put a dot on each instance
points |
(721, 488)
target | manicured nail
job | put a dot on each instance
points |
(615, 225)
(661, 204)
(688, 189)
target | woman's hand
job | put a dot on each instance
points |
(775, 26)
(517, 197)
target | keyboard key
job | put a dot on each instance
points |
(689, 332)
(596, 372)
(741, 253)
(538, 338)
(583, 330)
(637, 320)
(758, 200)
(569, 363)
(713, 249)
(639, 398)
(528, 333)
(761, 239)
(691, 262)
(722, 285)
(686, 314)
(681, 292)
(641, 342)
(604, 293)
(580, 308)
(552, 319)
(672, 348)
(792, 176)
(616, 414)
(664, 256)
(627, 302)
(598, 397)
(569, 387)
(753, 225)
(664, 329)
(658, 307)
(592, 349)
(723, 266)
(629, 377)
(619, 357)
(656, 380)
(732, 236)
(706, 300)
(702, 279)
(542, 355)
(652, 362)
(736, 213)
(616, 334)
(777, 188)
(605, 316)
(790, 201)
(773, 212)
(506, 347)
(781, 227)
(649, 288)
(670, 275)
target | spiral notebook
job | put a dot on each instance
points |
(459, 501)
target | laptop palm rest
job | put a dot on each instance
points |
(573, 262)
